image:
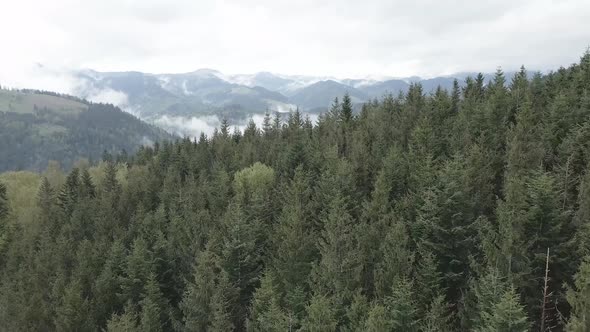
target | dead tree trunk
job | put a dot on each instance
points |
(546, 295)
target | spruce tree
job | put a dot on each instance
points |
(401, 306)
(293, 250)
(72, 313)
(321, 316)
(208, 295)
(339, 270)
(3, 220)
(346, 109)
(378, 320)
(427, 281)
(437, 318)
(241, 255)
(506, 315)
(3, 202)
(125, 322)
(153, 316)
(578, 298)
(88, 189)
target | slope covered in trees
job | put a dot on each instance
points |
(38, 126)
(420, 213)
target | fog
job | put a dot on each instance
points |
(196, 125)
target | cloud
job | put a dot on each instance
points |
(110, 96)
(37, 76)
(341, 38)
(188, 126)
(194, 126)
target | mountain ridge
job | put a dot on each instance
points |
(207, 91)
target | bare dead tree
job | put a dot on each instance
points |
(546, 298)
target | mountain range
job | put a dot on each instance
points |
(210, 92)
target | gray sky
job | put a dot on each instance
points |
(342, 38)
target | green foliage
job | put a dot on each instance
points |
(579, 298)
(378, 319)
(320, 315)
(39, 127)
(437, 318)
(401, 307)
(125, 322)
(420, 213)
(3, 202)
(339, 269)
(506, 315)
(253, 182)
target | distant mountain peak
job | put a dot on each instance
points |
(208, 90)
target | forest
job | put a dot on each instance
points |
(460, 210)
(38, 126)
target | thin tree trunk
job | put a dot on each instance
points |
(545, 294)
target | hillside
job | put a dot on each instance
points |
(449, 210)
(199, 93)
(236, 97)
(322, 94)
(36, 127)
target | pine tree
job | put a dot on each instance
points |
(437, 318)
(378, 320)
(3, 217)
(125, 322)
(88, 189)
(506, 315)
(241, 255)
(107, 287)
(545, 227)
(224, 128)
(320, 316)
(153, 307)
(449, 227)
(334, 112)
(397, 259)
(455, 97)
(401, 306)
(427, 281)
(487, 290)
(357, 313)
(110, 183)
(346, 109)
(293, 248)
(3, 202)
(207, 297)
(69, 194)
(338, 271)
(45, 197)
(221, 319)
(72, 311)
(578, 298)
(139, 266)
(267, 124)
(582, 217)
(266, 313)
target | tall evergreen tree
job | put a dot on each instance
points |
(320, 316)
(578, 298)
(506, 315)
(339, 269)
(346, 109)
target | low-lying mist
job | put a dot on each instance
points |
(196, 125)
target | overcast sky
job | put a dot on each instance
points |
(342, 38)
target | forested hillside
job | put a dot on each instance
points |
(38, 126)
(461, 210)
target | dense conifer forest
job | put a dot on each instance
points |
(461, 210)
